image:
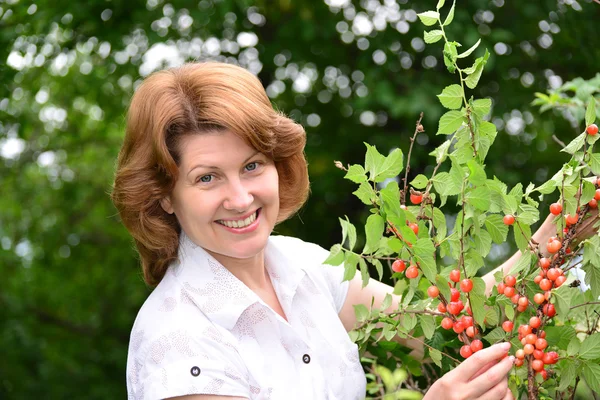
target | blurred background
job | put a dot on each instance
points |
(349, 71)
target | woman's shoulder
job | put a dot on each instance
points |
(299, 248)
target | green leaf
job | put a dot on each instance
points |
(436, 356)
(568, 373)
(373, 161)
(441, 152)
(591, 375)
(450, 15)
(482, 107)
(495, 335)
(361, 312)
(595, 163)
(473, 77)
(450, 122)
(560, 336)
(432, 36)
(451, 97)
(391, 167)
(356, 173)
(348, 231)
(429, 18)
(563, 296)
(483, 242)
(373, 230)
(477, 175)
(350, 266)
(590, 348)
(424, 251)
(390, 196)
(365, 193)
(495, 226)
(450, 54)
(479, 198)
(573, 347)
(575, 144)
(442, 284)
(387, 302)
(522, 263)
(468, 52)
(478, 300)
(592, 278)
(440, 4)
(509, 311)
(336, 255)
(427, 324)
(364, 272)
(420, 182)
(522, 234)
(590, 112)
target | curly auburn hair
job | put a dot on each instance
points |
(193, 99)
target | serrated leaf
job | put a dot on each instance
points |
(482, 107)
(429, 18)
(450, 122)
(509, 311)
(442, 284)
(348, 231)
(378, 267)
(495, 335)
(592, 278)
(436, 356)
(595, 163)
(450, 16)
(478, 300)
(473, 78)
(432, 36)
(350, 266)
(495, 226)
(365, 193)
(391, 167)
(451, 97)
(440, 4)
(390, 196)
(563, 296)
(361, 312)
(560, 336)
(420, 182)
(468, 52)
(574, 346)
(441, 152)
(373, 231)
(364, 272)
(590, 348)
(336, 255)
(575, 144)
(427, 324)
(356, 173)
(567, 375)
(491, 316)
(522, 234)
(479, 198)
(386, 303)
(424, 251)
(483, 242)
(450, 54)
(522, 263)
(591, 375)
(590, 112)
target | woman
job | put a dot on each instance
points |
(206, 171)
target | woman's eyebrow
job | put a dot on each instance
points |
(214, 167)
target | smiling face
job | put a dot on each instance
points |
(226, 198)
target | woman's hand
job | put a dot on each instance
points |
(481, 376)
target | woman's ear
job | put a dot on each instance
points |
(166, 205)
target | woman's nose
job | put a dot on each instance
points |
(238, 197)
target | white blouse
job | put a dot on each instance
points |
(202, 331)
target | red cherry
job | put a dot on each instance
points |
(554, 246)
(416, 197)
(528, 348)
(572, 219)
(501, 287)
(414, 227)
(476, 345)
(466, 351)
(466, 285)
(520, 354)
(459, 327)
(550, 357)
(453, 308)
(509, 291)
(518, 362)
(398, 266)
(447, 323)
(544, 374)
(538, 354)
(433, 292)
(545, 284)
(560, 280)
(510, 280)
(549, 310)
(592, 129)
(508, 219)
(597, 195)
(593, 203)
(454, 294)
(515, 298)
(541, 334)
(541, 344)
(442, 307)
(531, 338)
(412, 272)
(539, 298)
(544, 263)
(555, 208)
(471, 331)
(455, 275)
(507, 326)
(537, 365)
(538, 279)
(553, 273)
(535, 322)
(523, 301)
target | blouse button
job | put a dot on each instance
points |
(306, 358)
(195, 371)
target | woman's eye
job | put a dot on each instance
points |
(205, 179)
(252, 166)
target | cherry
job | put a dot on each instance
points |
(515, 298)
(466, 285)
(466, 351)
(454, 294)
(597, 195)
(550, 357)
(544, 374)
(524, 329)
(509, 291)
(507, 326)
(453, 308)
(553, 273)
(524, 302)
(414, 227)
(537, 365)
(398, 266)
(545, 284)
(459, 327)
(537, 279)
(447, 323)
(508, 219)
(501, 287)
(531, 338)
(549, 310)
(539, 298)
(544, 263)
(416, 197)
(442, 307)
(455, 275)
(412, 272)
(541, 334)
(538, 354)
(535, 322)
(593, 204)
(520, 354)
(468, 321)
(518, 362)
(572, 219)
(521, 308)
(554, 246)
(433, 292)
(476, 345)
(471, 331)
(510, 280)
(556, 208)
(541, 344)
(528, 349)
(560, 280)
(592, 129)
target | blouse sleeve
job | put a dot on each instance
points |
(178, 363)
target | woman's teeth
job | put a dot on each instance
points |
(239, 224)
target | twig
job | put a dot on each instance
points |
(585, 304)
(418, 128)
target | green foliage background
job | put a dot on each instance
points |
(350, 71)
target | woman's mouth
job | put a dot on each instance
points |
(241, 223)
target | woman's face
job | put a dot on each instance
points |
(226, 198)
